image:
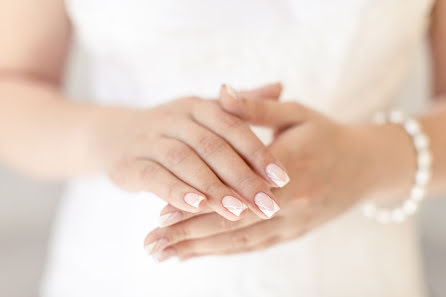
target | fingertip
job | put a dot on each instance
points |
(277, 174)
(170, 218)
(229, 98)
(276, 90)
(150, 237)
(167, 209)
(194, 201)
(266, 204)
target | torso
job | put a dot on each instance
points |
(347, 58)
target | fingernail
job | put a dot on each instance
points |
(267, 205)
(277, 175)
(170, 218)
(164, 254)
(232, 92)
(156, 246)
(193, 199)
(233, 205)
(149, 248)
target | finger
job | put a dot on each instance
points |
(231, 168)
(242, 139)
(170, 215)
(250, 238)
(267, 92)
(260, 246)
(185, 164)
(150, 176)
(197, 227)
(264, 112)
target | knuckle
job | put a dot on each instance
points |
(191, 100)
(209, 145)
(229, 121)
(199, 105)
(179, 233)
(212, 188)
(172, 189)
(148, 171)
(240, 239)
(121, 177)
(249, 181)
(186, 249)
(227, 225)
(261, 155)
(177, 154)
(273, 240)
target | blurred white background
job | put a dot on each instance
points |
(27, 208)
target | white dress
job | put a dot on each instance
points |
(347, 58)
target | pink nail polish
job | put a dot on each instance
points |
(234, 205)
(170, 218)
(156, 246)
(193, 199)
(277, 175)
(267, 205)
(232, 92)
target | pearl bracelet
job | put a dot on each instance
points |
(422, 174)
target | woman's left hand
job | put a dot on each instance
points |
(331, 167)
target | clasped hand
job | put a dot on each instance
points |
(325, 161)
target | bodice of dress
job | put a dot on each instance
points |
(343, 57)
(347, 58)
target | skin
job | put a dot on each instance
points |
(361, 161)
(172, 150)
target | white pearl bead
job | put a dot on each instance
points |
(398, 215)
(412, 127)
(422, 177)
(380, 118)
(383, 217)
(369, 210)
(409, 207)
(424, 160)
(417, 194)
(421, 141)
(396, 117)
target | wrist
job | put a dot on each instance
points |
(108, 134)
(389, 157)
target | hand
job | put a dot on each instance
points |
(330, 170)
(190, 151)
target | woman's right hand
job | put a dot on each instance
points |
(189, 151)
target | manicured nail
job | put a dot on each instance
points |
(156, 246)
(232, 92)
(193, 199)
(164, 254)
(170, 218)
(233, 205)
(267, 205)
(149, 248)
(277, 175)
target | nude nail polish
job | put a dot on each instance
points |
(193, 199)
(234, 205)
(267, 205)
(170, 218)
(156, 246)
(232, 92)
(149, 248)
(277, 175)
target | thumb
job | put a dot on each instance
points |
(262, 112)
(266, 92)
